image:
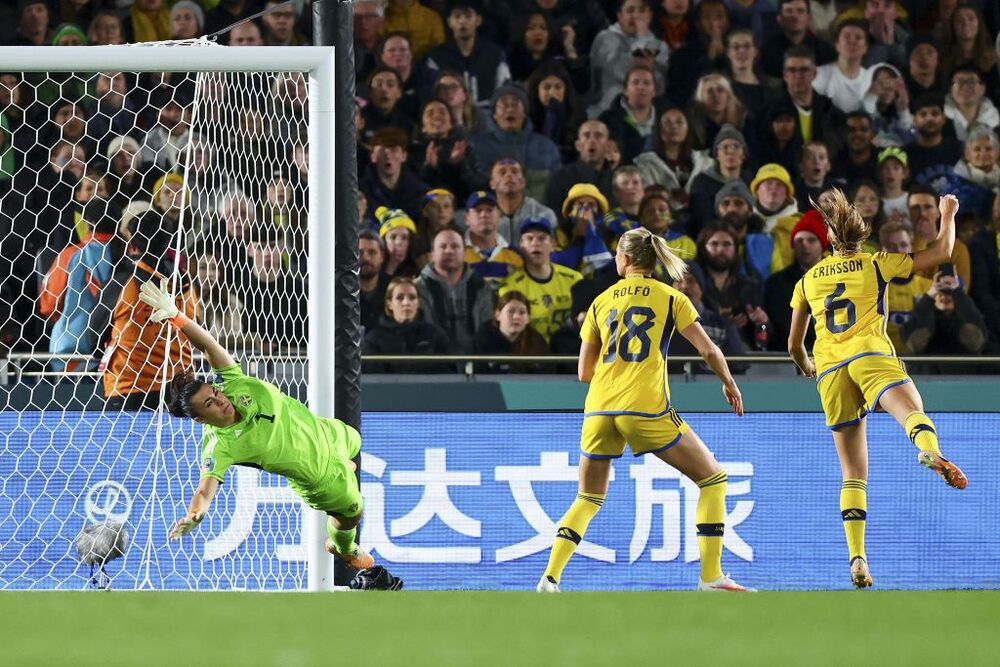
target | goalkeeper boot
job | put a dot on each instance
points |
(950, 473)
(358, 557)
(861, 577)
(547, 585)
(724, 584)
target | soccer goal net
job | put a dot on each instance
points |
(188, 162)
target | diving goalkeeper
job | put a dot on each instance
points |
(249, 422)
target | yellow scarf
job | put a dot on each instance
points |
(150, 26)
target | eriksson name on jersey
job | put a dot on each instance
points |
(840, 267)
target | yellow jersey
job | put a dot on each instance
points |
(551, 300)
(632, 323)
(847, 298)
(901, 299)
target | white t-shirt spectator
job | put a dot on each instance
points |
(847, 94)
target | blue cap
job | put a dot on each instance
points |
(479, 196)
(537, 223)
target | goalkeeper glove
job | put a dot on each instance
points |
(186, 525)
(160, 299)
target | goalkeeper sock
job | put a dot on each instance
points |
(921, 432)
(709, 518)
(854, 512)
(572, 528)
(343, 540)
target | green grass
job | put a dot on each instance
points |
(483, 628)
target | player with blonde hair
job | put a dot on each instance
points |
(623, 356)
(855, 367)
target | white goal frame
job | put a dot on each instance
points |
(316, 61)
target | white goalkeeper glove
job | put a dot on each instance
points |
(187, 524)
(164, 307)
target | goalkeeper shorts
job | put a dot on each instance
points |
(338, 492)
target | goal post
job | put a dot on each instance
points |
(201, 57)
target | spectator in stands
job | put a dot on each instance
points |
(672, 162)
(68, 34)
(149, 21)
(385, 90)
(546, 285)
(398, 231)
(846, 80)
(220, 310)
(902, 294)
(794, 18)
(402, 330)
(387, 181)
(533, 45)
(720, 329)
(125, 169)
(618, 49)
(423, 26)
(934, 138)
(979, 164)
(749, 88)
(734, 205)
(442, 154)
(886, 34)
(136, 353)
(655, 215)
(438, 213)
(814, 173)
(867, 198)
(465, 113)
(225, 14)
(860, 159)
(580, 20)
(893, 172)
(111, 111)
(187, 20)
(945, 321)
(510, 333)
(48, 193)
(632, 116)
(371, 279)
(809, 244)
(591, 167)
(985, 290)
(246, 34)
(33, 23)
(817, 115)
(68, 124)
(925, 218)
(967, 104)
(105, 29)
(508, 182)
(396, 52)
(275, 300)
(627, 192)
(279, 25)
(730, 293)
(888, 104)
(164, 142)
(453, 295)
(478, 60)
(774, 201)
(714, 106)
(486, 251)
(368, 22)
(923, 75)
(730, 153)
(967, 42)
(509, 133)
(703, 52)
(671, 22)
(555, 107)
(577, 237)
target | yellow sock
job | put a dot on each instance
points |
(854, 512)
(922, 433)
(572, 528)
(709, 518)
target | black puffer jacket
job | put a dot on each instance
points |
(391, 337)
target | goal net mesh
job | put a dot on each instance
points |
(110, 179)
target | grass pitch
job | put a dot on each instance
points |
(489, 628)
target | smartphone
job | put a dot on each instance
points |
(947, 269)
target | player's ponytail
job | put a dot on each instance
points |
(180, 395)
(644, 248)
(845, 226)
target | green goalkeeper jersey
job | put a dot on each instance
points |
(275, 433)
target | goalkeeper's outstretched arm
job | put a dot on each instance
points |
(165, 308)
(198, 508)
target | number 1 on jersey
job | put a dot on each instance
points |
(633, 331)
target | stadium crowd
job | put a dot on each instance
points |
(504, 147)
